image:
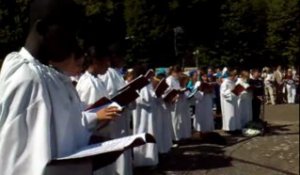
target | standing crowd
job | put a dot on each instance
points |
(236, 96)
(47, 87)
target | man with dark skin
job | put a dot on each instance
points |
(41, 115)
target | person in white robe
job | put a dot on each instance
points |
(185, 106)
(113, 79)
(144, 120)
(163, 119)
(176, 108)
(204, 119)
(231, 121)
(90, 89)
(41, 114)
(244, 99)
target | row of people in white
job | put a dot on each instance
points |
(149, 115)
(166, 121)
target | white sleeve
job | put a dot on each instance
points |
(89, 120)
(197, 84)
(145, 97)
(226, 92)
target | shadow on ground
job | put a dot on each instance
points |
(192, 154)
(207, 153)
(280, 130)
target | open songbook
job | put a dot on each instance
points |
(149, 74)
(120, 144)
(102, 102)
(125, 97)
(161, 88)
(170, 95)
(137, 84)
(120, 100)
(205, 87)
(83, 158)
(238, 89)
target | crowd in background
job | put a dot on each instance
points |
(201, 96)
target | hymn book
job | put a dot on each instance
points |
(99, 155)
(169, 96)
(136, 84)
(149, 74)
(205, 87)
(125, 97)
(120, 100)
(161, 88)
(238, 89)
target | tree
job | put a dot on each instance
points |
(283, 34)
(234, 32)
(242, 42)
(148, 27)
(13, 24)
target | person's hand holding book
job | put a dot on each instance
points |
(109, 113)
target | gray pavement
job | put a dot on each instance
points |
(276, 153)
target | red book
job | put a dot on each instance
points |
(238, 89)
(205, 87)
(125, 97)
(136, 84)
(170, 95)
(150, 73)
(161, 88)
(122, 98)
(101, 102)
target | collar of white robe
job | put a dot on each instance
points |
(24, 53)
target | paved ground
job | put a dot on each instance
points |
(276, 153)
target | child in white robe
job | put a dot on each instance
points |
(163, 120)
(176, 108)
(231, 121)
(244, 99)
(90, 89)
(113, 79)
(204, 119)
(144, 120)
(185, 106)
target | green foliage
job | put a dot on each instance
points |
(13, 24)
(236, 32)
(283, 32)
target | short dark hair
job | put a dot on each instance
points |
(175, 68)
(255, 70)
(232, 72)
(94, 53)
